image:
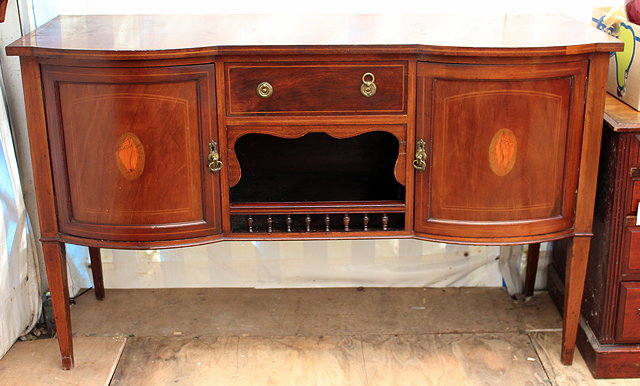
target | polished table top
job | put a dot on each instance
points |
(233, 34)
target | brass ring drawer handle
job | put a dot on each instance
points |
(368, 87)
(264, 90)
(420, 163)
(214, 157)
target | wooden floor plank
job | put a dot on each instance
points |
(178, 360)
(325, 360)
(452, 359)
(37, 362)
(547, 345)
(309, 312)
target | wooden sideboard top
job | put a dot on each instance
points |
(621, 117)
(174, 36)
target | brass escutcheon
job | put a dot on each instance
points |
(264, 90)
(368, 87)
(214, 157)
(420, 163)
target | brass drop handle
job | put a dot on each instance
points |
(368, 87)
(264, 90)
(214, 157)
(420, 163)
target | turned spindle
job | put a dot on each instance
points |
(385, 222)
(327, 220)
(289, 221)
(307, 222)
(365, 221)
(346, 220)
(269, 224)
(250, 223)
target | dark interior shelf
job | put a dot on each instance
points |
(316, 187)
(317, 167)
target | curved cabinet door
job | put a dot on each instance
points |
(129, 150)
(502, 145)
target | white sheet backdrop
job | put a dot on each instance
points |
(19, 278)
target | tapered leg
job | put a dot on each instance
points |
(96, 272)
(532, 268)
(577, 257)
(56, 263)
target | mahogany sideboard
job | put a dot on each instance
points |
(170, 131)
(609, 336)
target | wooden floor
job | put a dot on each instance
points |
(406, 336)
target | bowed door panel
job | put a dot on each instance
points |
(129, 150)
(502, 148)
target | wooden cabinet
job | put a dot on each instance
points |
(168, 131)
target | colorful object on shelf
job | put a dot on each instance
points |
(624, 77)
(632, 7)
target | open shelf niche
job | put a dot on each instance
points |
(317, 183)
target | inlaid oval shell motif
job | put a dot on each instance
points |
(130, 156)
(503, 151)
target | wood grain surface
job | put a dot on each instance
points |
(452, 359)
(435, 359)
(547, 345)
(173, 36)
(545, 116)
(310, 312)
(188, 361)
(169, 112)
(323, 360)
(619, 116)
(36, 363)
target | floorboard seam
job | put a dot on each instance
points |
(559, 329)
(535, 349)
(119, 357)
(364, 363)
(237, 356)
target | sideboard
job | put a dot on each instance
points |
(170, 131)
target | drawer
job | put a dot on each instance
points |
(631, 246)
(628, 323)
(316, 88)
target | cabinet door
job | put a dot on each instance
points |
(502, 145)
(129, 150)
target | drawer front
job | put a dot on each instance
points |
(628, 324)
(631, 246)
(316, 88)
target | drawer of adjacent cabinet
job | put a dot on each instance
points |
(631, 248)
(325, 88)
(628, 323)
(635, 192)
